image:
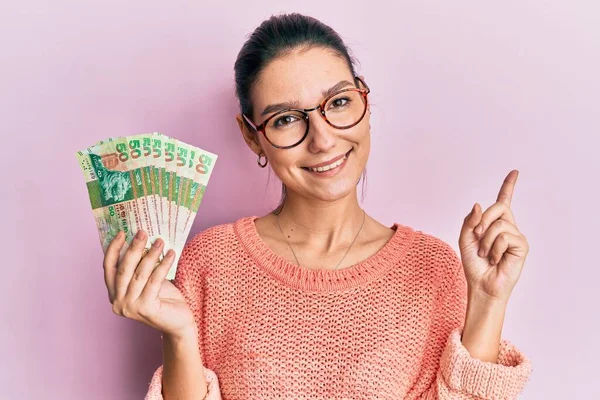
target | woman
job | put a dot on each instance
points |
(317, 299)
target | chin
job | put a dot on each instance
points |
(333, 191)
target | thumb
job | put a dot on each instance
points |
(467, 233)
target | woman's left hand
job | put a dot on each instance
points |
(504, 248)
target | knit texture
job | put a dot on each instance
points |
(388, 327)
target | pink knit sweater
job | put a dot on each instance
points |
(386, 328)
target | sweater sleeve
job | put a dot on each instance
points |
(155, 389)
(188, 280)
(460, 376)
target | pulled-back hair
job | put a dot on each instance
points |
(276, 37)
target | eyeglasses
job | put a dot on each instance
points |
(288, 128)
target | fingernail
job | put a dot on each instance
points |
(120, 234)
(479, 229)
(156, 243)
(480, 253)
(170, 253)
(139, 235)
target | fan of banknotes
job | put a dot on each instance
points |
(148, 182)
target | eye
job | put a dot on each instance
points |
(283, 121)
(339, 102)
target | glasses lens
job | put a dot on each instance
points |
(345, 108)
(286, 129)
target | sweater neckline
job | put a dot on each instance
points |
(323, 280)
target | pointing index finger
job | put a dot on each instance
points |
(508, 187)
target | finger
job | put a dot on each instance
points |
(110, 263)
(508, 187)
(498, 210)
(154, 283)
(497, 228)
(467, 236)
(129, 263)
(507, 244)
(145, 267)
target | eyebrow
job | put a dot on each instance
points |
(295, 104)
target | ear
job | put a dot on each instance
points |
(368, 105)
(250, 137)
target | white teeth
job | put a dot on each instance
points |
(330, 166)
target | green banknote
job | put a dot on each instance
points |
(148, 182)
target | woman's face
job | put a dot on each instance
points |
(302, 77)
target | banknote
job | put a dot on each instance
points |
(148, 182)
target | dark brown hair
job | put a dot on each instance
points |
(277, 37)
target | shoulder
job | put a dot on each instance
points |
(439, 250)
(436, 257)
(217, 240)
(426, 244)
(207, 249)
(214, 237)
(214, 234)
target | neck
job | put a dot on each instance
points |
(326, 226)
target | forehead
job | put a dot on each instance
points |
(299, 76)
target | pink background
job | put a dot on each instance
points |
(463, 92)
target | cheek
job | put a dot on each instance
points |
(363, 142)
(283, 161)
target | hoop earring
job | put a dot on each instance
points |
(261, 164)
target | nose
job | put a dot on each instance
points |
(321, 136)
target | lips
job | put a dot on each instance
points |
(328, 162)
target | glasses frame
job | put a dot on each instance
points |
(304, 111)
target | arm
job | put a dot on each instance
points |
(183, 375)
(482, 332)
(481, 365)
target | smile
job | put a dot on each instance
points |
(331, 169)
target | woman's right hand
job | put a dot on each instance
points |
(138, 288)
